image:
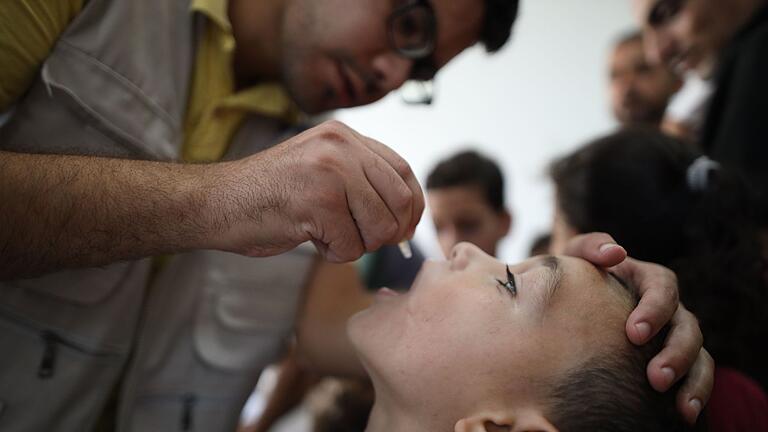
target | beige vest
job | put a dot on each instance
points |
(184, 354)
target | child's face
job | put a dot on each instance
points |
(462, 214)
(458, 338)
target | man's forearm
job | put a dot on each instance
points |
(345, 192)
(61, 212)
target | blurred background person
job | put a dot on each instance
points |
(727, 41)
(640, 90)
(686, 113)
(666, 203)
(465, 194)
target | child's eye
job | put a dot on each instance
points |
(510, 284)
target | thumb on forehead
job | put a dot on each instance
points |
(598, 248)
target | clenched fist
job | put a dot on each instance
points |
(345, 192)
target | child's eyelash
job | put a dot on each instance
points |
(510, 285)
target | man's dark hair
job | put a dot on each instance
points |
(633, 184)
(500, 16)
(470, 168)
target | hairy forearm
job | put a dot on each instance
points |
(61, 212)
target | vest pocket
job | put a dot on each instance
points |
(87, 108)
(49, 382)
(248, 310)
(185, 412)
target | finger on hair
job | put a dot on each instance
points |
(681, 349)
(658, 304)
(697, 388)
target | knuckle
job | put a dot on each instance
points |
(691, 329)
(402, 168)
(326, 160)
(334, 131)
(328, 202)
(381, 236)
(670, 276)
(334, 124)
(688, 357)
(598, 237)
(356, 251)
(389, 232)
(403, 201)
(668, 282)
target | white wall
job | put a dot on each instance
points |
(541, 96)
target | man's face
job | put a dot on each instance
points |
(462, 214)
(685, 34)
(459, 339)
(640, 90)
(337, 53)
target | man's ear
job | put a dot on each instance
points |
(524, 421)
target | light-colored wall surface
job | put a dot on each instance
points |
(541, 96)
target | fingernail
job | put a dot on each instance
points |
(643, 330)
(695, 405)
(669, 374)
(608, 246)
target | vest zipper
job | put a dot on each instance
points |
(187, 412)
(52, 341)
(48, 362)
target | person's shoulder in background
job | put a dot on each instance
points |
(737, 404)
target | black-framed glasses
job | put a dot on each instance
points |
(664, 11)
(412, 30)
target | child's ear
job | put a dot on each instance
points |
(526, 421)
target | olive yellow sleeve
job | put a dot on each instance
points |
(28, 31)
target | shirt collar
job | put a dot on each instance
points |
(215, 10)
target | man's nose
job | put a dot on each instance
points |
(391, 70)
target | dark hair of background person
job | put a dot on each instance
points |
(633, 185)
(470, 168)
(540, 245)
(500, 15)
(349, 410)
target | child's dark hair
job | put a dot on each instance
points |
(636, 184)
(611, 391)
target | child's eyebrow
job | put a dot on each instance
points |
(554, 278)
